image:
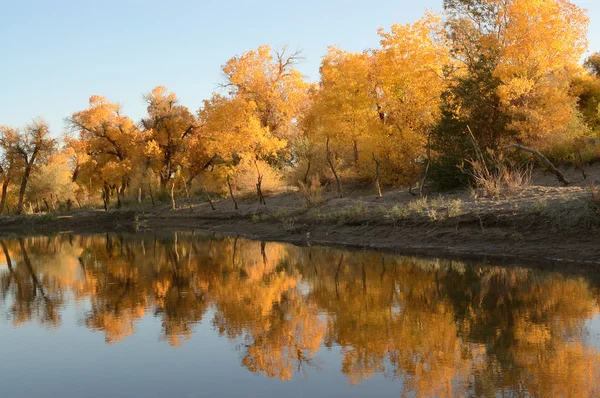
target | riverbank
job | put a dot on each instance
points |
(563, 229)
(541, 223)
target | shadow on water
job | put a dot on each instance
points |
(442, 327)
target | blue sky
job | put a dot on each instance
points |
(56, 54)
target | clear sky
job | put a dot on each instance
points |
(54, 54)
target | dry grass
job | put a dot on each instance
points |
(500, 177)
(311, 194)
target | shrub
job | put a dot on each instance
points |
(246, 177)
(311, 194)
(499, 177)
(289, 224)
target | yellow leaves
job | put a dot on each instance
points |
(532, 49)
(382, 102)
(152, 150)
(114, 172)
(234, 129)
(409, 67)
(541, 37)
(514, 89)
(267, 81)
(53, 179)
(540, 46)
(97, 100)
(107, 146)
(160, 96)
(170, 127)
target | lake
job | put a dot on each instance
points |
(196, 314)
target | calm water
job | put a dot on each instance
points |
(187, 315)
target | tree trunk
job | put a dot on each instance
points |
(212, 206)
(173, 204)
(190, 180)
(104, 200)
(306, 174)
(376, 176)
(261, 198)
(3, 195)
(24, 181)
(121, 192)
(151, 194)
(163, 183)
(424, 179)
(583, 173)
(235, 205)
(551, 168)
(332, 166)
(139, 198)
(187, 195)
(106, 196)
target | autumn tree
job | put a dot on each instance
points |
(266, 96)
(168, 128)
(346, 102)
(587, 88)
(33, 147)
(376, 107)
(52, 184)
(269, 82)
(510, 77)
(592, 63)
(8, 160)
(236, 136)
(107, 148)
(409, 82)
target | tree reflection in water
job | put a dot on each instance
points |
(443, 327)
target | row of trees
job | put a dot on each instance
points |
(508, 70)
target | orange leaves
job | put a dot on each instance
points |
(267, 80)
(381, 103)
(169, 127)
(542, 36)
(541, 46)
(107, 144)
(534, 49)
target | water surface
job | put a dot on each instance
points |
(187, 315)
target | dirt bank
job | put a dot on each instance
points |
(468, 241)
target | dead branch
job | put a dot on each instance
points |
(332, 167)
(425, 174)
(212, 206)
(261, 198)
(231, 193)
(375, 175)
(544, 160)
